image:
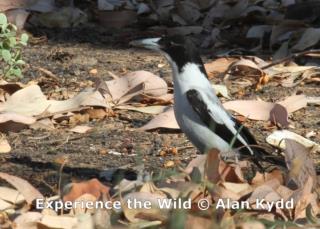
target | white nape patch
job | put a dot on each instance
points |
(192, 77)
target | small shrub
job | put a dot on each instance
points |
(10, 49)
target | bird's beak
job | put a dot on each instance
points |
(149, 43)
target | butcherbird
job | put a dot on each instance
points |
(198, 111)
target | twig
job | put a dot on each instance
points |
(48, 73)
(292, 56)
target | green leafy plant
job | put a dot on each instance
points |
(10, 49)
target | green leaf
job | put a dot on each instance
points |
(16, 71)
(12, 41)
(20, 62)
(6, 55)
(24, 39)
(3, 19)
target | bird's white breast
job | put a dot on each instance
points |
(189, 121)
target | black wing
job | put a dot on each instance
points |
(200, 107)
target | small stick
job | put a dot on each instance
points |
(48, 73)
(292, 56)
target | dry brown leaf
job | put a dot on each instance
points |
(28, 220)
(15, 117)
(303, 197)
(7, 5)
(85, 198)
(31, 101)
(218, 66)
(193, 222)
(96, 113)
(163, 120)
(4, 145)
(212, 166)
(125, 88)
(246, 67)
(198, 162)
(300, 165)
(252, 109)
(63, 222)
(79, 118)
(81, 129)
(17, 17)
(252, 225)
(279, 116)
(260, 110)
(294, 103)
(94, 187)
(131, 212)
(260, 178)
(11, 195)
(239, 188)
(284, 192)
(23, 186)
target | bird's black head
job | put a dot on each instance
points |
(177, 49)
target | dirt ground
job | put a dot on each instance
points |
(70, 55)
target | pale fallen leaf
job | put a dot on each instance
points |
(63, 222)
(260, 110)
(15, 117)
(28, 220)
(239, 188)
(102, 218)
(221, 90)
(4, 145)
(163, 120)
(218, 66)
(31, 101)
(252, 109)
(198, 162)
(11, 195)
(4, 205)
(193, 221)
(33, 5)
(17, 17)
(81, 129)
(43, 124)
(148, 109)
(125, 88)
(303, 197)
(277, 139)
(131, 211)
(260, 178)
(294, 103)
(85, 220)
(245, 67)
(80, 208)
(23, 186)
